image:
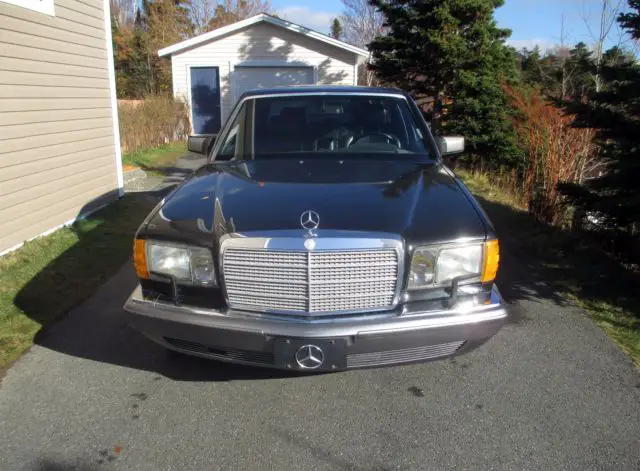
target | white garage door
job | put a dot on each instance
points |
(247, 78)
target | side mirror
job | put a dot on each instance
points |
(450, 145)
(200, 144)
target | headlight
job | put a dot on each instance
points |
(423, 265)
(439, 265)
(188, 265)
(172, 261)
(460, 261)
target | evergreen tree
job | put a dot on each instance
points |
(531, 66)
(167, 23)
(581, 63)
(139, 70)
(134, 77)
(615, 113)
(451, 55)
(336, 29)
(562, 71)
(617, 56)
(479, 109)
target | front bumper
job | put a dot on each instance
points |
(334, 344)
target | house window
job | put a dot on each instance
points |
(42, 6)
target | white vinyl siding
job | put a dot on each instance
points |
(57, 142)
(262, 45)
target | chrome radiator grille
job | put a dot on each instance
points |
(310, 282)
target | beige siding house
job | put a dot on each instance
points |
(59, 140)
(212, 70)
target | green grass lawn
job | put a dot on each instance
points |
(48, 276)
(576, 268)
(156, 159)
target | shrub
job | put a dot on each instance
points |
(151, 122)
(555, 153)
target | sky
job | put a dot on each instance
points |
(532, 22)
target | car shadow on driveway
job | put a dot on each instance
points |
(99, 330)
(97, 271)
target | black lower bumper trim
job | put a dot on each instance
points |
(353, 360)
(223, 353)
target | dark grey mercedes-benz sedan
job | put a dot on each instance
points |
(324, 233)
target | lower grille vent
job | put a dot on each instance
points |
(356, 360)
(221, 353)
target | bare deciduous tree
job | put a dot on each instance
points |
(207, 15)
(607, 14)
(362, 22)
(201, 13)
(563, 54)
(123, 12)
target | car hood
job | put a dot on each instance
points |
(421, 202)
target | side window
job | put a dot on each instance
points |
(228, 150)
(416, 139)
(233, 142)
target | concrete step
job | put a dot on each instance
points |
(134, 179)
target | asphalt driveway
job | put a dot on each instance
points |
(550, 391)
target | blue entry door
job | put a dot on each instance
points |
(205, 100)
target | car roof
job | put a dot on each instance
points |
(303, 89)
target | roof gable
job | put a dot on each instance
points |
(262, 17)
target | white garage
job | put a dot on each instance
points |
(246, 78)
(211, 71)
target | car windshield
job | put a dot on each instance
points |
(323, 126)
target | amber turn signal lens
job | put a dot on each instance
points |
(140, 258)
(491, 260)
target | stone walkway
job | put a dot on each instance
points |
(141, 181)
